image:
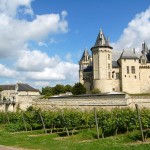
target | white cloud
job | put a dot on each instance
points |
(62, 71)
(16, 35)
(6, 72)
(36, 61)
(11, 7)
(137, 31)
(17, 32)
(42, 44)
(52, 40)
(64, 14)
(40, 84)
(68, 57)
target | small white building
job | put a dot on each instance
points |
(129, 73)
(17, 96)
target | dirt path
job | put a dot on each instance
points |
(10, 148)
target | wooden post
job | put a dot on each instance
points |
(7, 117)
(42, 122)
(96, 122)
(24, 122)
(140, 124)
(64, 122)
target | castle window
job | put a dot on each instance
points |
(127, 69)
(135, 77)
(124, 59)
(109, 75)
(108, 56)
(133, 69)
(112, 75)
(108, 66)
(117, 75)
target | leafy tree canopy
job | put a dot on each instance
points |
(58, 89)
(68, 88)
(78, 89)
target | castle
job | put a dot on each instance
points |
(129, 73)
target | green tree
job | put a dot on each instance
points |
(59, 89)
(68, 88)
(78, 89)
(48, 91)
(95, 91)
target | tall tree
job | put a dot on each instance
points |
(78, 89)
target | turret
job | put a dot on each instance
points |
(85, 61)
(102, 63)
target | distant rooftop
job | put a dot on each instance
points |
(21, 87)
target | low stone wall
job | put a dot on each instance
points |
(88, 102)
(82, 102)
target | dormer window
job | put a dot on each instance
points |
(143, 61)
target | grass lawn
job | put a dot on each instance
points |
(84, 140)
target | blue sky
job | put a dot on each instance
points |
(43, 40)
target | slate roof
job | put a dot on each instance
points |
(26, 87)
(88, 69)
(7, 87)
(115, 64)
(128, 54)
(101, 40)
(85, 53)
(21, 87)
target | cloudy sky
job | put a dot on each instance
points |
(41, 41)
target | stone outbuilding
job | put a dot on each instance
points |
(17, 96)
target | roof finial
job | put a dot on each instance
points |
(101, 32)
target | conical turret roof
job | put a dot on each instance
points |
(85, 54)
(101, 40)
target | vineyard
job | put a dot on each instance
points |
(69, 122)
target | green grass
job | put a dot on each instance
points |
(84, 140)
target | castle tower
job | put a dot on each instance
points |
(84, 62)
(102, 64)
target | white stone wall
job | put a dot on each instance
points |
(115, 81)
(8, 94)
(82, 104)
(89, 103)
(130, 82)
(145, 79)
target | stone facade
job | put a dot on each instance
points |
(17, 96)
(129, 73)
